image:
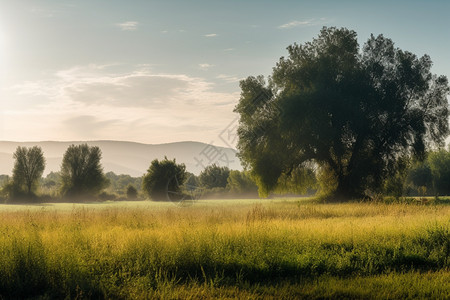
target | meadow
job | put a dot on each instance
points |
(270, 249)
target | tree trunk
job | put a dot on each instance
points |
(345, 190)
(29, 186)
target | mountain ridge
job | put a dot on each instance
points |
(128, 157)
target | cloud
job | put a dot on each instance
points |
(228, 49)
(305, 23)
(228, 78)
(165, 31)
(120, 103)
(211, 35)
(128, 26)
(95, 85)
(293, 24)
(205, 66)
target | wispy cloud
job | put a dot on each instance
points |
(172, 31)
(211, 35)
(205, 66)
(304, 23)
(120, 103)
(228, 49)
(228, 78)
(128, 26)
(293, 24)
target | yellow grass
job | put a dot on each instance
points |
(248, 248)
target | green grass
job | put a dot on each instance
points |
(281, 248)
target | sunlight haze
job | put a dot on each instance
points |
(167, 71)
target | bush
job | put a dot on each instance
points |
(164, 180)
(131, 192)
(104, 196)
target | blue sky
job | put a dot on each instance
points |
(165, 71)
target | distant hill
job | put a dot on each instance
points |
(129, 157)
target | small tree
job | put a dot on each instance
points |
(131, 192)
(81, 171)
(28, 168)
(192, 182)
(214, 176)
(164, 179)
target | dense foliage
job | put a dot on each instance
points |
(351, 111)
(214, 176)
(241, 183)
(164, 180)
(132, 192)
(28, 168)
(81, 171)
(430, 177)
(119, 183)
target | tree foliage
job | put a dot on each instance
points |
(28, 168)
(439, 164)
(164, 179)
(241, 183)
(118, 184)
(192, 182)
(214, 176)
(301, 180)
(354, 111)
(420, 178)
(132, 192)
(81, 171)
(396, 183)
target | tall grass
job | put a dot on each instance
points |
(280, 249)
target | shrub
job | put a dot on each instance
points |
(131, 192)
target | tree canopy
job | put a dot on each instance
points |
(214, 176)
(28, 168)
(353, 111)
(81, 171)
(164, 180)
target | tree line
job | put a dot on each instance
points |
(81, 177)
(81, 173)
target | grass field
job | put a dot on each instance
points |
(282, 248)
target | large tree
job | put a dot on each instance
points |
(81, 171)
(28, 168)
(351, 111)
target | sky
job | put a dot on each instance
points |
(167, 71)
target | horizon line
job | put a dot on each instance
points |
(119, 141)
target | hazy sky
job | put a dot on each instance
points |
(165, 71)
